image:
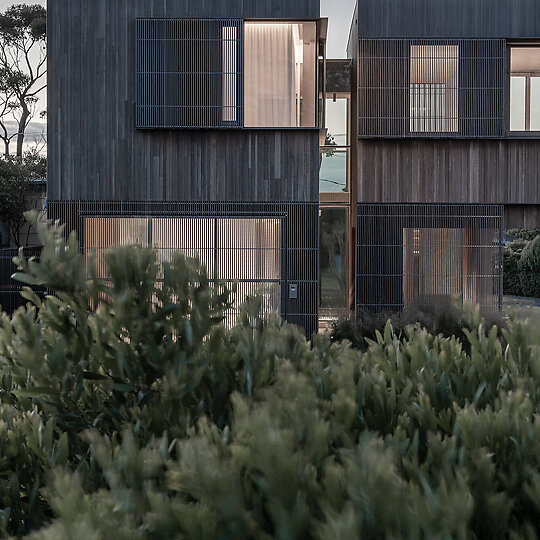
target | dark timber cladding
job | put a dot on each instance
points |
(95, 150)
(445, 18)
(299, 258)
(435, 171)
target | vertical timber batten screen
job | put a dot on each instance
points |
(189, 73)
(428, 255)
(451, 88)
(298, 257)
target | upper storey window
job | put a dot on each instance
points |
(525, 89)
(434, 88)
(216, 73)
(280, 74)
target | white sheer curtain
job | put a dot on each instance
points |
(270, 75)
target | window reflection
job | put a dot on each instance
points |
(334, 271)
(333, 172)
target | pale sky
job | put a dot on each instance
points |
(339, 13)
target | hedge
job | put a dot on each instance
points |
(128, 411)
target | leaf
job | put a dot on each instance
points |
(26, 278)
(36, 392)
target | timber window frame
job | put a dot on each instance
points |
(524, 89)
(201, 74)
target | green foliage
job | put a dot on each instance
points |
(512, 278)
(128, 411)
(529, 265)
(522, 263)
(524, 234)
(17, 191)
(23, 21)
(450, 321)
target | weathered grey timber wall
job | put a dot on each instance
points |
(95, 152)
(458, 171)
(522, 216)
(449, 18)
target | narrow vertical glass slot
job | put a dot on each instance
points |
(535, 103)
(334, 268)
(229, 48)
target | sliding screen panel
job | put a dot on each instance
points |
(193, 237)
(431, 88)
(189, 73)
(103, 233)
(421, 254)
(249, 256)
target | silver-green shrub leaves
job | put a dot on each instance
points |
(128, 411)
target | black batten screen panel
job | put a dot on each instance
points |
(431, 88)
(189, 73)
(428, 254)
(299, 229)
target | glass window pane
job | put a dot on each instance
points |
(230, 69)
(517, 103)
(337, 114)
(334, 271)
(333, 172)
(280, 74)
(535, 103)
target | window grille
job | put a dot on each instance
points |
(189, 73)
(410, 254)
(431, 88)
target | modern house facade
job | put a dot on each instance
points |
(220, 129)
(446, 119)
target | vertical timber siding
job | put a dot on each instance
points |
(449, 18)
(449, 171)
(95, 151)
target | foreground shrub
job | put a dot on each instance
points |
(512, 272)
(128, 411)
(524, 234)
(449, 321)
(529, 265)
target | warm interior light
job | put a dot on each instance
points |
(279, 74)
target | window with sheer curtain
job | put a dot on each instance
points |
(280, 74)
(434, 88)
